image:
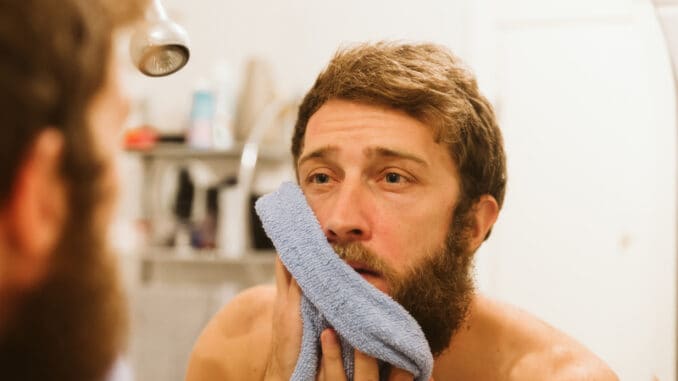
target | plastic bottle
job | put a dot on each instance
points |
(224, 90)
(202, 117)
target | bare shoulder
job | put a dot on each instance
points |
(562, 363)
(536, 350)
(235, 343)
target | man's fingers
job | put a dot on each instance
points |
(333, 366)
(282, 279)
(399, 375)
(366, 367)
(321, 373)
(293, 306)
(287, 319)
(287, 327)
(294, 293)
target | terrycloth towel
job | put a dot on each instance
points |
(335, 295)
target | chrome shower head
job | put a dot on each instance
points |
(160, 46)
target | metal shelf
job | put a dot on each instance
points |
(210, 257)
(177, 151)
(169, 265)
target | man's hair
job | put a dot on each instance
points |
(433, 86)
(55, 57)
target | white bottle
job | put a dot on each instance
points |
(231, 233)
(224, 90)
(202, 117)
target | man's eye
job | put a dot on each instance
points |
(320, 178)
(393, 178)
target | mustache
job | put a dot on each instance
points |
(357, 252)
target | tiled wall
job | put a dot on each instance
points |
(172, 306)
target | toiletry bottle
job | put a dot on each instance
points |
(224, 107)
(202, 118)
(183, 208)
(231, 234)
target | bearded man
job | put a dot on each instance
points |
(61, 312)
(402, 161)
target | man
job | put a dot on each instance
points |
(61, 313)
(401, 159)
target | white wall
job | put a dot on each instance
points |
(587, 237)
(297, 37)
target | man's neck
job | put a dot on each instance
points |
(475, 348)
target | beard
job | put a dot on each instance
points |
(437, 292)
(72, 325)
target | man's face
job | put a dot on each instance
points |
(376, 176)
(384, 192)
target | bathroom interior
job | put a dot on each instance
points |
(585, 93)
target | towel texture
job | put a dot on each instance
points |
(335, 295)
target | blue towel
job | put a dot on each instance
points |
(334, 295)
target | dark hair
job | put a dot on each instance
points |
(55, 57)
(430, 84)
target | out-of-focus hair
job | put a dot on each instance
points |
(54, 58)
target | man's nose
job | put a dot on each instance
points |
(347, 220)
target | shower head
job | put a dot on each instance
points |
(160, 46)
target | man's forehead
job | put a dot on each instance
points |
(341, 119)
(372, 131)
(332, 151)
(341, 112)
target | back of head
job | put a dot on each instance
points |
(55, 55)
(430, 84)
(55, 60)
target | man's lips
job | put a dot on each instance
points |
(363, 269)
(372, 276)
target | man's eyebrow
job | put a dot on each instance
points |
(391, 153)
(320, 153)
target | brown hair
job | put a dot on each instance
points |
(430, 84)
(55, 57)
(54, 60)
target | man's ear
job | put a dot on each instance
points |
(36, 209)
(484, 214)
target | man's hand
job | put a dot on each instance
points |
(286, 341)
(287, 327)
(366, 367)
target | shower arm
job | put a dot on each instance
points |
(156, 12)
(248, 163)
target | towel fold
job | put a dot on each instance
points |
(336, 296)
